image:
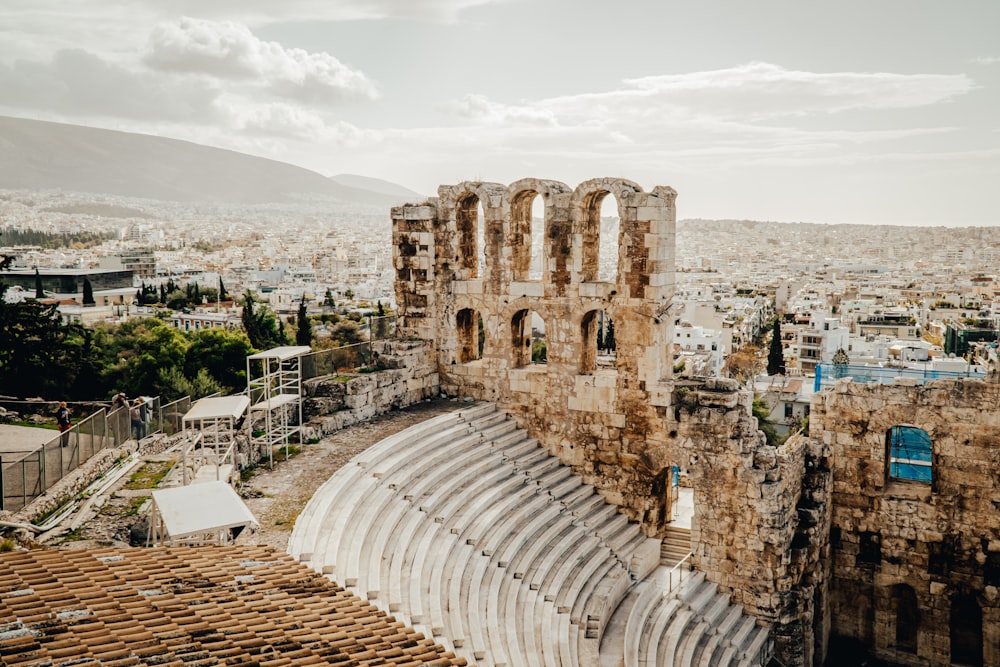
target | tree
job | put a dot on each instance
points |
(349, 294)
(775, 355)
(840, 362)
(261, 326)
(223, 294)
(609, 337)
(303, 331)
(222, 353)
(600, 334)
(762, 412)
(39, 292)
(328, 300)
(381, 309)
(744, 364)
(346, 332)
(88, 293)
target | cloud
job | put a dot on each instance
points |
(482, 109)
(80, 84)
(986, 60)
(228, 50)
(755, 91)
(267, 11)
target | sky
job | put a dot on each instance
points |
(857, 111)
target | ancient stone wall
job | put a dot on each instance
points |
(337, 401)
(621, 426)
(915, 565)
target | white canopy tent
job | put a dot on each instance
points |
(209, 513)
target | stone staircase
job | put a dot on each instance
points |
(463, 527)
(676, 545)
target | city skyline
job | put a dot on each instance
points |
(843, 114)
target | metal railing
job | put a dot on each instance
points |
(347, 359)
(678, 573)
(26, 475)
(29, 475)
(828, 374)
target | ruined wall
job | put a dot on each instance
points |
(759, 512)
(909, 555)
(335, 402)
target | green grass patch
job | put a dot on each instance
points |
(134, 505)
(149, 475)
(279, 452)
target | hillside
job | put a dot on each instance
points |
(39, 155)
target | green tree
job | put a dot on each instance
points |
(349, 294)
(173, 384)
(88, 293)
(261, 326)
(222, 353)
(303, 331)
(381, 309)
(328, 300)
(775, 355)
(840, 362)
(136, 352)
(39, 292)
(762, 412)
(346, 332)
(223, 294)
(177, 299)
(609, 337)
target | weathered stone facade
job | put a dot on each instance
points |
(757, 529)
(915, 566)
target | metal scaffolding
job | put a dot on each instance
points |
(274, 385)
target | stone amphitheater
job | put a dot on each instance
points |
(466, 529)
(581, 509)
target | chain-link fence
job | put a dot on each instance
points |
(25, 476)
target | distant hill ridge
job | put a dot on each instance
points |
(40, 155)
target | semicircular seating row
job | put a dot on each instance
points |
(463, 527)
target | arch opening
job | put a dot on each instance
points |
(599, 346)
(528, 235)
(469, 223)
(907, 614)
(469, 324)
(610, 235)
(528, 339)
(966, 629)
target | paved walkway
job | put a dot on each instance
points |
(23, 438)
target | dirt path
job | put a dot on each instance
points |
(276, 497)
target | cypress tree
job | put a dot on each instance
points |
(88, 293)
(39, 293)
(775, 355)
(303, 332)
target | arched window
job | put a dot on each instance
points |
(469, 225)
(909, 450)
(528, 339)
(599, 346)
(607, 259)
(966, 631)
(527, 212)
(470, 339)
(904, 602)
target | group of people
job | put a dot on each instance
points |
(138, 413)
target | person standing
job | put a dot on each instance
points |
(135, 416)
(63, 422)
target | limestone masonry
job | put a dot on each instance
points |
(812, 537)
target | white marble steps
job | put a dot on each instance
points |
(464, 528)
(694, 625)
(675, 546)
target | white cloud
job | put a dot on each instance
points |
(480, 108)
(230, 50)
(986, 60)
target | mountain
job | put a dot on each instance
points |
(39, 155)
(377, 185)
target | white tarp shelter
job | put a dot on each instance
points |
(200, 513)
